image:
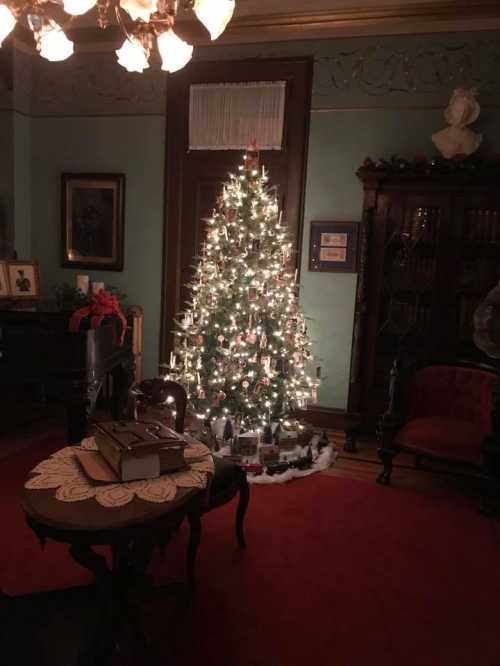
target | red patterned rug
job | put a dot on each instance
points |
(337, 572)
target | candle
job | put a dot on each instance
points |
(97, 286)
(172, 360)
(82, 283)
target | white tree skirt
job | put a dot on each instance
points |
(323, 461)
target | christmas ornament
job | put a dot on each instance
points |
(266, 363)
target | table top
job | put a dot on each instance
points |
(91, 520)
(88, 516)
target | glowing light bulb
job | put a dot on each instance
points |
(132, 56)
(53, 43)
(7, 22)
(215, 15)
(175, 52)
(140, 9)
(78, 7)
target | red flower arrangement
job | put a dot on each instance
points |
(103, 304)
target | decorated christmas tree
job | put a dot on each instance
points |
(242, 343)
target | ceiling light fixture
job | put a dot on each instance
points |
(214, 14)
(146, 25)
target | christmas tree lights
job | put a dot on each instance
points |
(242, 343)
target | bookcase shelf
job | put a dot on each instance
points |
(430, 251)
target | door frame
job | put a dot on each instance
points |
(177, 111)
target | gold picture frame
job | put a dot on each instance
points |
(4, 280)
(24, 280)
(92, 220)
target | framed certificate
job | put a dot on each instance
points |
(334, 247)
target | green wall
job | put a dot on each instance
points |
(371, 96)
(130, 145)
(22, 184)
(6, 175)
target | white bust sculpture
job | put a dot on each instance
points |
(462, 110)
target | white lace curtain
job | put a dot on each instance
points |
(229, 116)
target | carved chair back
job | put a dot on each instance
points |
(158, 392)
(461, 388)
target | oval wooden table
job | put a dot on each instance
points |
(132, 532)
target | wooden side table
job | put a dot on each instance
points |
(132, 532)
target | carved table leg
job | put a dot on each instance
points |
(80, 406)
(123, 378)
(194, 542)
(89, 559)
(242, 508)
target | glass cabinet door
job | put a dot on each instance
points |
(476, 227)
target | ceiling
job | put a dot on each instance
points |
(276, 20)
(281, 20)
(257, 7)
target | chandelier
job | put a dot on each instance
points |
(145, 24)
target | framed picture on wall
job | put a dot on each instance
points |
(334, 247)
(24, 280)
(92, 220)
(4, 280)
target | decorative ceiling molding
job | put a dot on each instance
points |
(439, 16)
(404, 18)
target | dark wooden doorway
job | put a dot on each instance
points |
(194, 178)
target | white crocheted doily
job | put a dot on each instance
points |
(63, 472)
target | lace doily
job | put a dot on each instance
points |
(63, 473)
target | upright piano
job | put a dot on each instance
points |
(36, 347)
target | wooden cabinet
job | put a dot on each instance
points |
(430, 251)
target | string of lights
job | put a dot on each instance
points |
(242, 343)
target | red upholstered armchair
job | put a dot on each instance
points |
(448, 411)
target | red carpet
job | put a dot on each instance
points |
(337, 572)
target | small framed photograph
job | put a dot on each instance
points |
(334, 247)
(4, 280)
(24, 279)
(92, 220)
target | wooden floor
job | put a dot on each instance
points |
(34, 420)
(435, 478)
